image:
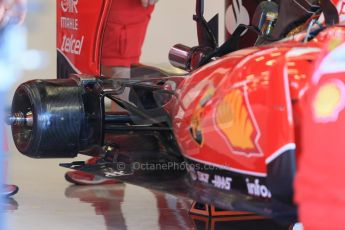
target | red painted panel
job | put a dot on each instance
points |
(80, 25)
(238, 112)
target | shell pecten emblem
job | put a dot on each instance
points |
(236, 122)
(329, 101)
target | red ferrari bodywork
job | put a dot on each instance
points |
(240, 113)
(255, 89)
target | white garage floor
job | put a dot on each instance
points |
(47, 201)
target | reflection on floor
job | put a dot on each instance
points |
(125, 206)
(46, 201)
(9, 205)
(122, 208)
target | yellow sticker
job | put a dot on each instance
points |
(329, 101)
(235, 121)
(195, 128)
(333, 44)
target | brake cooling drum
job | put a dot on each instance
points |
(48, 117)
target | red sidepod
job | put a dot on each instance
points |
(242, 111)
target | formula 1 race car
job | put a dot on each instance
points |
(227, 133)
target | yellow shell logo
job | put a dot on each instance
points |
(334, 43)
(329, 101)
(236, 123)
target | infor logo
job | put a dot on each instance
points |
(69, 6)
